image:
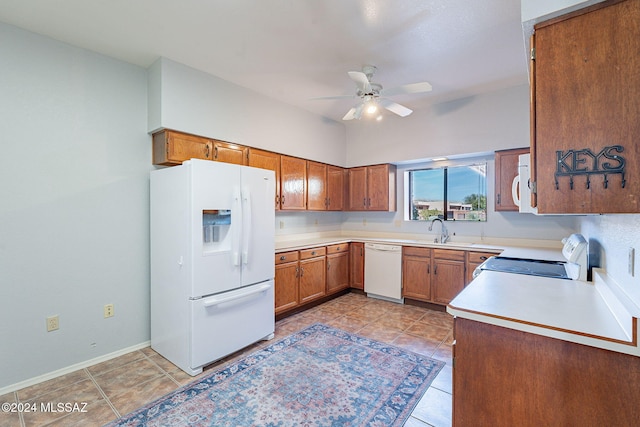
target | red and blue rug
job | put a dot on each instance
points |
(320, 376)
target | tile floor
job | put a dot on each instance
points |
(119, 386)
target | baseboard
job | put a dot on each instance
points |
(57, 373)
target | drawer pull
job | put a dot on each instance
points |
(483, 258)
(313, 253)
(282, 258)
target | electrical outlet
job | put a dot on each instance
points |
(281, 225)
(108, 310)
(53, 323)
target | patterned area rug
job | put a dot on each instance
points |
(320, 376)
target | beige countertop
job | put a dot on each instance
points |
(591, 313)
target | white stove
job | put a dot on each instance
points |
(575, 268)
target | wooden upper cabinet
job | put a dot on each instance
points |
(506, 164)
(372, 188)
(586, 106)
(358, 189)
(293, 183)
(316, 186)
(173, 148)
(267, 160)
(336, 188)
(230, 153)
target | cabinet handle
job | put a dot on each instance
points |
(483, 258)
(215, 151)
(206, 151)
(369, 202)
(301, 271)
(313, 253)
(282, 258)
(435, 269)
(282, 200)
(297, 271)
(498, 201)
(364, 202)
(328, 266)
(428, 269)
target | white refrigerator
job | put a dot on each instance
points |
(212, 271)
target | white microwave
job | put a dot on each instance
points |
(521, 186)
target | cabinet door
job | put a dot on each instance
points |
(293, 183)
(316, 186)
(448, 280)
(229, 153)
(506, 164)
(335, 188)
(267, 160)
(173, 148)
(586, 109)
(356, 267)
(286, 286)
(358, 189)
(312, 279)
(337, 272)
(416, 273)
(381, 188)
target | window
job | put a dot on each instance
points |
(451, 193)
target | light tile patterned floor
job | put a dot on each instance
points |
(119, 386)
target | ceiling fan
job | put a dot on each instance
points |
(372, 95)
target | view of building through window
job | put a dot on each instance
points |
(454, 193)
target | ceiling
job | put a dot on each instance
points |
(294, 50)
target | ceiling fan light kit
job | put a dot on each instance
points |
(372, 95)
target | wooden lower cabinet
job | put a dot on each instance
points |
(448, 275)
(312, 274)
(286, 281)
(337, 267)
(432, 275)
(416, 273)
(356, 265)
(504, 377)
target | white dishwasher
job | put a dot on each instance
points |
(383, 271)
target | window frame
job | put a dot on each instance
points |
(409, 190)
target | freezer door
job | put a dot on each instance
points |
(225, 323)
(258, 234)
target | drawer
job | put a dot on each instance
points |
(478, 257)
(284, 257)
(334, 249)
(416, 251)
(313, 252)
(449, 254)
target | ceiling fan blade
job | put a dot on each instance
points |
(410, 88)
(395, 108)
(361, 80)
(354, 113)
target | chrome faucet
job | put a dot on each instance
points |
(444, 233)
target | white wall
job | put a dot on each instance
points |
(202, 104)
(478, 124)
(74, 211)
(610, 237)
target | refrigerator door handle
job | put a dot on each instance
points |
(236, 249)
(236, 297)
(246, 220)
